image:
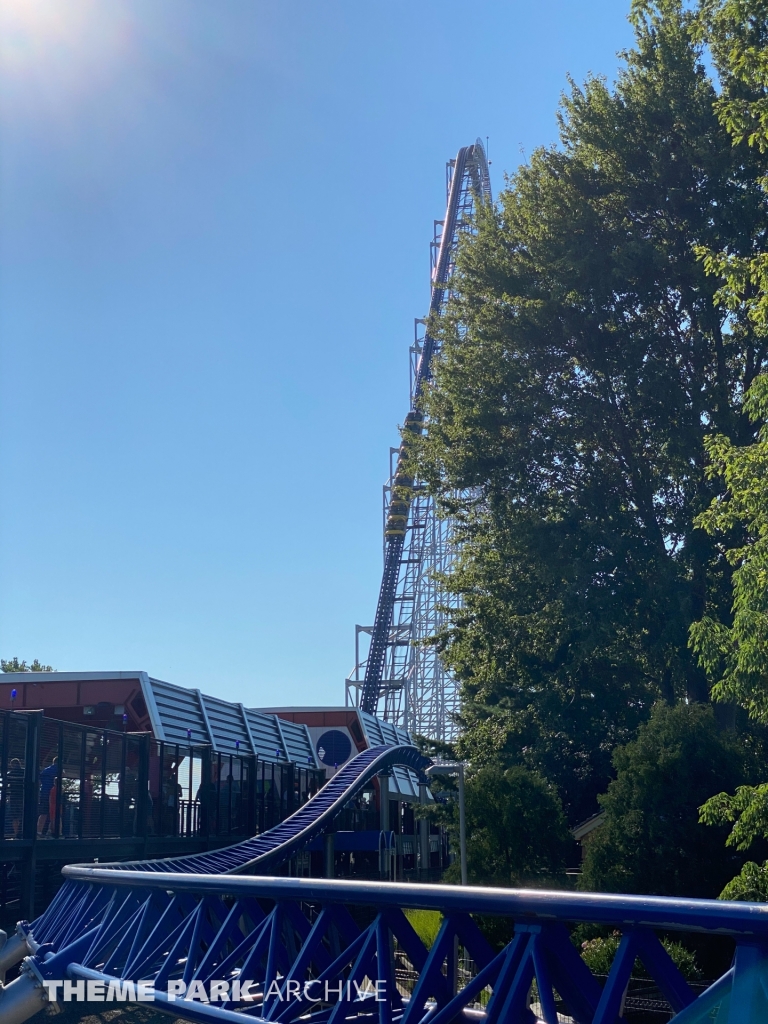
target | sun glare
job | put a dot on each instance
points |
(63, 42)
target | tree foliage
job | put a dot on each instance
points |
(736, 32)
(732, 643)
(583, 362)
(599, 953)
(516, 830)
(750, 884)
(14, 665)
(651, 840)
(515, 826)
(733, 647)
(746, 811)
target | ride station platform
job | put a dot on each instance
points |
(123, 767)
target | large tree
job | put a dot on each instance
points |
(732, 642)
(651, 840)
(583, 361)
(733, 647)
(516, 831)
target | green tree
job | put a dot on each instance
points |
(583, 362)
(734, 649)
(651, 840)
(14, 665)
(516, 831)
(732, 643)
(737, 34)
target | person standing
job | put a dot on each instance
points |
(48, 777)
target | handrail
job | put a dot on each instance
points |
(630, 911)
(307, 951)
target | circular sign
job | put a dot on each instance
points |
(333, 747)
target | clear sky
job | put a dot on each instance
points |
(214, 227)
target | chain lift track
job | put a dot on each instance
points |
(405, 682)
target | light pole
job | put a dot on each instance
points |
(456, 768)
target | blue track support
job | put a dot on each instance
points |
(138, 918)
(314, 950)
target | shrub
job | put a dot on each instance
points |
(598, 955)
(750, 884)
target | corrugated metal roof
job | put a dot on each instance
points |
(178, 711)
(403, 782)
(293, 735)
(378, 731)
(188, 716)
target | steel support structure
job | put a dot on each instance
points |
(214, 948)
(401, 678)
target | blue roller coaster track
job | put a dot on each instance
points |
(267, 851)
(470, 185)
(280, 843)
(228, 948)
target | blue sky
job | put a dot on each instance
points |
(215, 226)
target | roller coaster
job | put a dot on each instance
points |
(211, 938)
(404, 680)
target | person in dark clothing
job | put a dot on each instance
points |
(207, 802)
(48, 777)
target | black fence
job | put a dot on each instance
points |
(60, 781)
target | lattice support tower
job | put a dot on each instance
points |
(399, 676)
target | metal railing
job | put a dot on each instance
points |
(288, 949)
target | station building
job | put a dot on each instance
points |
(122, 766)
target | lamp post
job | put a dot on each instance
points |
(456, 768)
